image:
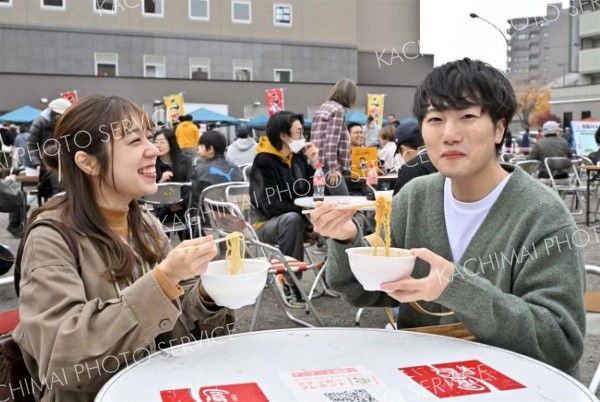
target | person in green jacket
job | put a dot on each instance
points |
(493, 245)
(552, 145)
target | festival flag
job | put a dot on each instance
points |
(174, 106)
(274, 100)
(375, 107)
(71, 96)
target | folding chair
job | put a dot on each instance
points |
(506, 157)
(214, 192)
(166, 195)
(246, 172)
(568, 186)
(517, 159)
(530, 167)
(226, 217)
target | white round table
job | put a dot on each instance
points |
(309, 364)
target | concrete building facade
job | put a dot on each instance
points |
(582, 100)
(542, 48)
(215, 51)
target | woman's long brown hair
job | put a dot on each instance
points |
(90, 125)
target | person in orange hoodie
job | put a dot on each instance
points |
(187, 135)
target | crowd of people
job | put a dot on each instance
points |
(130, 291)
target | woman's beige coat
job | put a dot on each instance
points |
(76, 331)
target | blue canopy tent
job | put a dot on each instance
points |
(208, 116)
(25, 114)
(355, 116)
(408, 120)
(261, 120)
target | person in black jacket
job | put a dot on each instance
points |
(282, 171)
(41, 137)
(172, 166)
(411, 147)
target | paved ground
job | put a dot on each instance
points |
(337, 313)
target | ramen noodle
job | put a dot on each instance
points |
(234, 256)
(383, 216)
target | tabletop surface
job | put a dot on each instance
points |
(588, 167)
(339, 364)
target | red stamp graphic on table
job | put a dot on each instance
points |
(469, 377)
(249, 392)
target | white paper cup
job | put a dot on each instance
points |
(372, 271)
(235, 291)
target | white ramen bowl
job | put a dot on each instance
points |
(373, 270)
(235, 291)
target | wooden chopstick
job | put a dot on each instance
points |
(189, 247)
(345, 206)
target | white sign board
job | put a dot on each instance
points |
(583, 133)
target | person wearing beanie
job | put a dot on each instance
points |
(243, 150)
(187, 135)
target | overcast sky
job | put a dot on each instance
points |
(449, 33)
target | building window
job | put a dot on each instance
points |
(106, 64)
(153, 8)
(546, 34)
(521, 36)
(154, 66)
(5, 3)
(586, 114)
(53, 4)
(282, 15)
(199, 68)
(199, 10)
(241, 12)
(282, 75)
(105, 7)
(242, 70)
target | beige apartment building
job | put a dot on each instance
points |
(224, 52)
(582, 100)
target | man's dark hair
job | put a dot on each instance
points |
(281, 122)
(214, 139)
(351, 125)
(243, 132)
(466, 83)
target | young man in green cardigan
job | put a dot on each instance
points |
(493, 245)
